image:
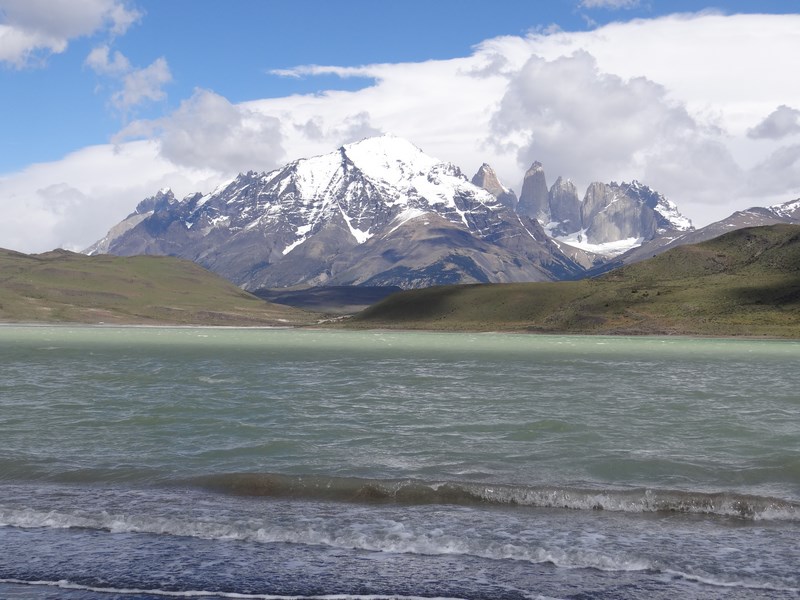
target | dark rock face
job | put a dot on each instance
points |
(534, 197)
(379, 212)
(610, 214)
(565, 207)
(161, 201)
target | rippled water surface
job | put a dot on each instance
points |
(152, 462)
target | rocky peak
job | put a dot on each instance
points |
(787, 210)
(533, 199)
(487, 179)
(614, 212)
(668, 218)
(163, 199)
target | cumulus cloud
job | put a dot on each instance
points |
(586, 124)
(101, 61)
(779, 174)
(208, 131)
(351, 129)
(140, 85)
(782, 122)
(30, 30)
(701, 59)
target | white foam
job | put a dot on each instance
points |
(388, 536)
(68, 585)
(715, 582)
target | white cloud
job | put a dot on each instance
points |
(344, 72)
(352, 128)
(140, 85)
(782, 122)
(729, 68)
(781, 170)
(661, 100)
(101, 61)
(708, 164)
(441, 106)
(207, 131)
(612, 4)
(32, 29)
(137, 85)
(586, 124)
(72, 203)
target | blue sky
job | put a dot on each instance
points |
(123, 86)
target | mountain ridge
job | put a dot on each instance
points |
(351, 217)
(381, 212)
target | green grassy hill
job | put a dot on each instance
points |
(746, 282)
(63, 286)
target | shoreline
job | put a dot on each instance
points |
(384, 329)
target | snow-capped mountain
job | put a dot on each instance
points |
(377, 212)
(381, 212)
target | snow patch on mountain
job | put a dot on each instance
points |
(391, 159)
(669, 210)
(301, 234)
(313, 176)
(360, 236)
(610, 249)
(406, 216)
(666, 208)
(786, 209)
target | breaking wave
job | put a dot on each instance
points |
(407, 491)
(394, 539)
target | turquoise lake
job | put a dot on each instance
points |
(279, 463)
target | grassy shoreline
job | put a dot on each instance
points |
(65, 287)
(744, 284)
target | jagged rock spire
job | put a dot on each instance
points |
(534, 200)
(565, 206)
(487, 179)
